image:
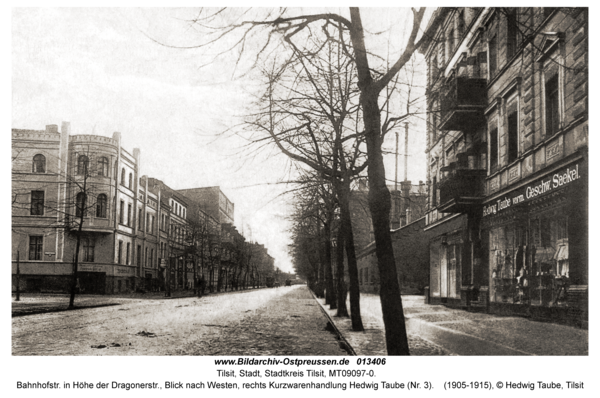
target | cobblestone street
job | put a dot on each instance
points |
(283, 321)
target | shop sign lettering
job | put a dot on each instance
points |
(531, 191)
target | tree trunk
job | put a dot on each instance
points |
(330, 292)
(346, 227)
(380, 205)
(342, 310)
(379, 197)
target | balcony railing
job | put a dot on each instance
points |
(461, 190)
(462, 102)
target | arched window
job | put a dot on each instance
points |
(82, 165)
(103, 167)
(101, 206)
(123, 176)
(80, 205)
(39, 163)
(130, 181)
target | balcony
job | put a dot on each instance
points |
(461, 190)
(462, 102)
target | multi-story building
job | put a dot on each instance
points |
(212, 201)
(57, 177)
(507, 159)
(137, 232)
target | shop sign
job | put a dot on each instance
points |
(123, 271)
(90, 268)
(540, 187)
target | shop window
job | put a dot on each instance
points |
(35, 247)
(101, 206)
(83, 164)
(80, 206)
(88, 247)
(39, 164)
(37, 203)
(552, 106)
(103, 166)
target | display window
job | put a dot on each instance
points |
(529, 261)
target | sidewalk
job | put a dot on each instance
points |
(39, 303)
(437, 330)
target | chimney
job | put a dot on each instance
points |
(117, 137)
(53, 128)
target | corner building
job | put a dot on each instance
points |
(507, 151)
(52, 172)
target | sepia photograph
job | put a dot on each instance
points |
(300, 182)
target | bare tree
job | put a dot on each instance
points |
(239, 31)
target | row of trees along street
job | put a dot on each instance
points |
(223, 258)
(327, 102)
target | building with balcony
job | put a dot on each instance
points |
(507, 148)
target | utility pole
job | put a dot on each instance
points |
(396, 168)
(405, 152)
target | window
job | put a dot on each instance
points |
(146, 258)
(127, 253)
(82, 165)
(552, 106)
(493, 148)
(101, 206)
(115, 173)
(512, 129)
(461, 23)
(151, 258)
(129, 215)
(121, 212)
(103, 167)
(123, 176)
(39, 164)
(140, 219)
(35, 247)
(130, 181)
(139, 255)
(80, 204)
(451, 42)
(120, 253)
(152, 224)
(512, 31)
(148, 222)
(184, 213)
(493, 56)
(89, 245)
(37, 203)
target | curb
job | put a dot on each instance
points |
(349, 349)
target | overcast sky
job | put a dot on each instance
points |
(96, 69)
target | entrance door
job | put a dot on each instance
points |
(444, 272)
